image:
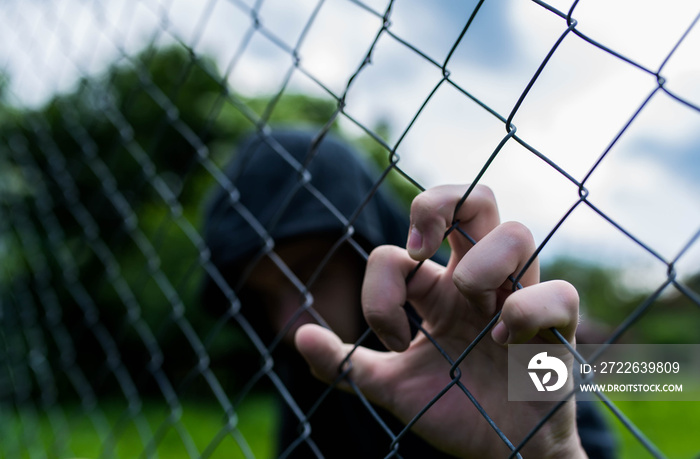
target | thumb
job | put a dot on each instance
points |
(324, 352)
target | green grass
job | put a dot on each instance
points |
(199, 429)
(673, 427)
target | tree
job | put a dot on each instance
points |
(104, 195)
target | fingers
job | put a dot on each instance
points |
(325, 353)
(534, 310)
(433, 211)
(322, 349)
(482, 274)
(384, 293)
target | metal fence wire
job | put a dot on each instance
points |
(124, 332)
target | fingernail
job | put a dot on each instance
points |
(500, 333)
(415, 240)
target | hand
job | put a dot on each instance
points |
(456, 303)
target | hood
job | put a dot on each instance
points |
(288, 184)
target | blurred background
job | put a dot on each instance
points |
(117, 117)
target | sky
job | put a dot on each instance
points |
(647, 182)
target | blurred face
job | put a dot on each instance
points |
(334, 292)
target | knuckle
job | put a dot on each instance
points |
(518, 234)
(463, 278)
(567, 295)
(436, 200)
(485, 193)
(422, 205)
(379, 254)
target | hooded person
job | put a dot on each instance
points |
(288, 233)
(295, 206)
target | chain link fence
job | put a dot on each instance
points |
(126, 333)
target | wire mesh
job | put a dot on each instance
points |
(119, 120)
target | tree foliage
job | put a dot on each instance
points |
(103, 190)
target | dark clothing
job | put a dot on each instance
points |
(284, 186)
